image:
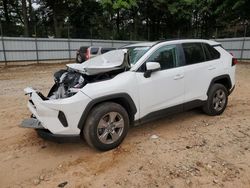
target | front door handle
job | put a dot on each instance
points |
(178, 76)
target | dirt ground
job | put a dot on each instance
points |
(189, 150)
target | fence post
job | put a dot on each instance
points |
(242, 48)
(243, 42)
(37, 57)
(69, 49)
(4, 53)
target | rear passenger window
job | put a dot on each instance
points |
(94, 51)
(210, 52)
(193, 53)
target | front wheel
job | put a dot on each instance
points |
(106, 126)
(217, 100)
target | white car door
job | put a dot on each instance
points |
(165, 87)
(199, 71)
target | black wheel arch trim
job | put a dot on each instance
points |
(224, 76)
(113, 97)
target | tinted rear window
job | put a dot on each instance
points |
(210, 52)
(104, 50)
(193, 53)
(94, 51)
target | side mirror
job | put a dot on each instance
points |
(151, 67)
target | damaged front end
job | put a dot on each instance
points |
(60, 111)
(106, 66)
(67, 83)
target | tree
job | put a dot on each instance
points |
(58, 11)
(25, 18)
(115, 7)
(125, 19)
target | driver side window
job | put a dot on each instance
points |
(166, 56)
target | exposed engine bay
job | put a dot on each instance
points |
(68, 82)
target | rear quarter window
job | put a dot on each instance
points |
(210, 52)
(193, 53)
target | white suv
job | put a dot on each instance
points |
(99, 99)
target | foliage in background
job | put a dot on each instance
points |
(125, 19)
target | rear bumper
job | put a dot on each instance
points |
(47, 135)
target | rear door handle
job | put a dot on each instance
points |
(211, 68)
(178, 76)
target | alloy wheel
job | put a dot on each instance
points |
(110, 127)
(219, 100)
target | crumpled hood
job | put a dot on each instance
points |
(104, 63)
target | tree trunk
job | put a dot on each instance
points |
(118, 23)
(158, 27)
(6, 12)
(136, 20)
(32, 18)
(148, 26)
(30, 7)
(56, 26)
(25, 18)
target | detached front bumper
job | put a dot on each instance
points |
(57, 116)
(231, 90)
(46, 134)
(31, 123)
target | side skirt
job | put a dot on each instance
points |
(169, 111)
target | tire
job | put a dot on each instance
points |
(217, 100)
(79, 59)
(106, 126)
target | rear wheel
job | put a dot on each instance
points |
(106, 126)
(217, 100)
(79, 59)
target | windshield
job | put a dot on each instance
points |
(135, 53)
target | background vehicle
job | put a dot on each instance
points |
(101, 98)
(86, 52)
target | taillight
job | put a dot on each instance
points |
(87, 55)
(234, 60)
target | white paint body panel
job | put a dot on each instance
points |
(165, 88)
(160, 91)
(125, 82)
(47, 112)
